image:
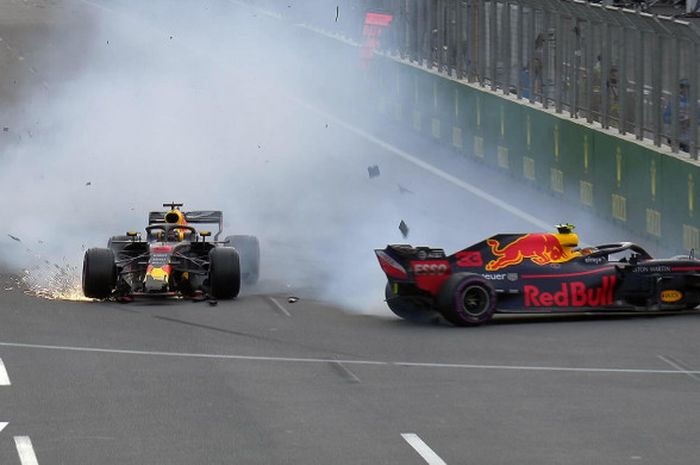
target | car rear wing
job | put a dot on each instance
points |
(396, 259)
(194, 217)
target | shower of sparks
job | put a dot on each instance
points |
(60, 282)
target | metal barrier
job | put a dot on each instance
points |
(623, 69)
(632, 71)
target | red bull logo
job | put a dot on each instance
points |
(541, 249)
(573, 294)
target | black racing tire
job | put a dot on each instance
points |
(99, 273)
(248, 248)
(409, 309)
(224, 273)
(467, 299)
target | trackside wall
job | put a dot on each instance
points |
(650, 192)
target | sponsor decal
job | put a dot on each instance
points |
(512, 277)
(431, 274)
(430, 268)
(572, 294)
(595, 260)
(541, 248)
(494, 276)
(469, 259)
(671, 295)
(652, 269)
(422, 254)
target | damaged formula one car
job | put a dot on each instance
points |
(174, 260)
(534, 273)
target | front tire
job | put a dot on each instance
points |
(248, 248)
(467, 299)
(224, 273)
(408, 308)
(99, 273)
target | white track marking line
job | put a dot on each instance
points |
(423, 449)
(679, 367)
(279, 306)
(25, 450)
(349, 362)
(4, 378)
(502, 204)
(3, 424)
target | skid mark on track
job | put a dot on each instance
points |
(345, 372)
(244, 334)
(680, 366)
(278, 306)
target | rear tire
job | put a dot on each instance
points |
(99, 273)
(248, 248)
(467, 299)
(409, 309)
(224, 273)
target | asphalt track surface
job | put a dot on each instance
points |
(260, 380)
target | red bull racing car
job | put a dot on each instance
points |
(174, 259)
(534, 273)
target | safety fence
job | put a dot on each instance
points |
(630, 71)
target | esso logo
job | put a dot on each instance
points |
(423, 269)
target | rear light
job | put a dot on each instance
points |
(391, 267)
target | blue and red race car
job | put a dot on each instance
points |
(534, 273)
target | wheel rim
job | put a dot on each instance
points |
(475, 301)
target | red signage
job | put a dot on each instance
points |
(375, 23)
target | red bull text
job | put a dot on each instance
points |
(572, 294)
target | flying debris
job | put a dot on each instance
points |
(89, 183)
(291, 299)
(403, 190)
(403, 227)
(373, 171)
(337, 12)
(14, 238)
